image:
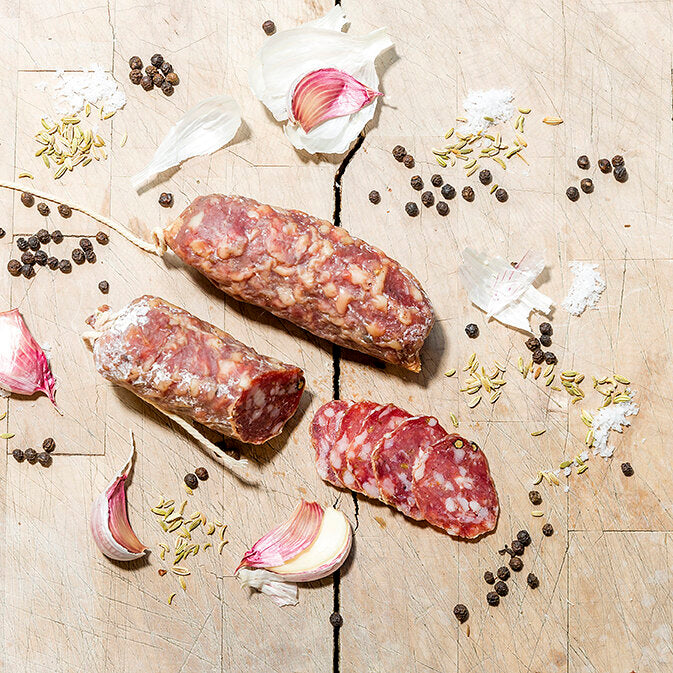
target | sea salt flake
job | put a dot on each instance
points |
(493, 103)
(613, 417)
(585, 290)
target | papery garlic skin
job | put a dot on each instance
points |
(289, 55)
(125, 546)
(280, 591)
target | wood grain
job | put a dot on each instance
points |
(602, 604)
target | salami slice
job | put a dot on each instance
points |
(324, 429)
(382, 420)
(453, 488)
(394, 457)
(351, 426)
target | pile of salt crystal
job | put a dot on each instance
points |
(607, 419)
(586, 288)
(496, 104)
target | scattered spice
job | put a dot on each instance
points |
(102, 238)
(151, 71)
(550, 358)
(201, 473)
(523, 536)
(503, 573)
(146, 83)
(85, 244)
(532, 581)
(28, 257)
(501, 588)
(627, 469)
(43, 236)
(485, 177)
(604, 165)
(501, 195)
(14, 267)
(104, 286)
(617, 160)
(538, 356)
(492, 598)
(337, 621)
(468, 193)
(374, 197)
(417, 183)
(448, 191)
(44, 459)
(545, 340)
(442, 208)
(27, 199)
(136, 76)
(172, 78)
(572, 193)
(31, 456)
(436, 180)
(547, 530)
(52, 263)
(135, 63)
(620, 174)
(399, 153)
(546, 328)
(33, 243)
(167, 89)
(587, 185)
(583, 162)
(28, 271)
(472, 330)
(65, 266)
(41, 257)
(515, 563)
(57, 236)
(517, 547)
(428, 199)
(488, 577)
(64, 210)
(166, 68)
(18, 455)
(21, 243)
(535, 497)
(78, 256)
(412, 209)
(191, 480)
(49, 444)
(461, 613)
(166, 199)
(408, 161)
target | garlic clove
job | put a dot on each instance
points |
(109, 521)
(287, 540)
(325, 555)
(325, 94)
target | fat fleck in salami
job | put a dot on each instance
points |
(408, 462)
(393, 460)
(188, 367)
(453, 488)
(307, 271)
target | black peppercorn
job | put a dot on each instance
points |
(545, 340)
(135, 63)
(18, 455)
(517, 547)
(191, 480)
(399, 153)
(546, 328)
(85, 244)
(617, 160)
(448, 191)
(503, 573)
(21, 243)
(485, 177)
(550, 358)
(442, 208)
(44, 459)
(428, 199)
(136, 76)
(158, 80)
(573, 193)
(2, 232)
(472, 330)
(65, 266)
(533, 581)
(523, 536)
(78, 256)
(374, 197)
(587, 185)
(104, 286)
(166, 67)
(102, 238)
(49, 444)
(547, 530)
(27, 199)
(14, 267)
(492, 598)
(411, 208)
(501, 589)
(468, 193)
(538, 356)
(417, 182)
(28, 257)
(52, 263)
(156, 60)
(269, 27)
(501, 195)
(31, 455)
(147, 83)
(172, 78)
(151, 70)
(165, 199)
(620, 174)
(515, 563)
(33, 243)
(488, 577)
(627, 469)
(43, 209)
(41, 257)
(57, 236)
(43, 236)
(436, 180)
(461, 613)
(604, 165)
(201, 473)
(583, 162)
(533, 344)
(167, 89)
(408, 161)
(90, 256)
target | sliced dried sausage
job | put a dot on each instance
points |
(325, 427)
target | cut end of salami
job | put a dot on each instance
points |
(188, 367)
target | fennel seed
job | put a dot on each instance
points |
(581, 470)
(537, 513)
(6, 435)
(552, 121)
(454, 420)
(451, 372)
(171, 597)
(537, 433)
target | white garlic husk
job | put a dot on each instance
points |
(109, 522)
(291, 54)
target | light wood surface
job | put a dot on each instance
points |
(604, 597)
